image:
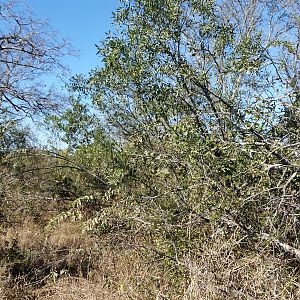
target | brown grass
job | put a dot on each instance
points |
(76, 289)
(221, 272)
(67, 263)
(33, 256)
(123, 276)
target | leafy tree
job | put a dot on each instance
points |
(198, 91)
(190, 59)
(77, 125)
(13, 137)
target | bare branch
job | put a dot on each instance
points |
(29, 50)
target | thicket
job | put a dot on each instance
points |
(180, 178)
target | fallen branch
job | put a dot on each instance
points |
(285, 247)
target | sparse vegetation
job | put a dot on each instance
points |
(179, 179)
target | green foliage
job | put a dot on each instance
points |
(197, 93)
(13, 137)
(191, 135)
(77, 124)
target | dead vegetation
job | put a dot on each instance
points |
(66, 262)
(181, 178)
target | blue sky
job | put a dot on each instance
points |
(84, 23)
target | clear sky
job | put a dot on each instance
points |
(84, 23)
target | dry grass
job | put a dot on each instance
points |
(130, 273)
(76, 289)
(221, 273)
(32, 256)
(66, 263)
(2, 281)
(31, 236)
(70, 235)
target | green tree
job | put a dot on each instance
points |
(213, 62)
(202, 96)
(13, 137)
(77, 125)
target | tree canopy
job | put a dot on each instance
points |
(206, 95)
(231, 67)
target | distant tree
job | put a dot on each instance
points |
(13, 137)
(29, 50)
(77, 125)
